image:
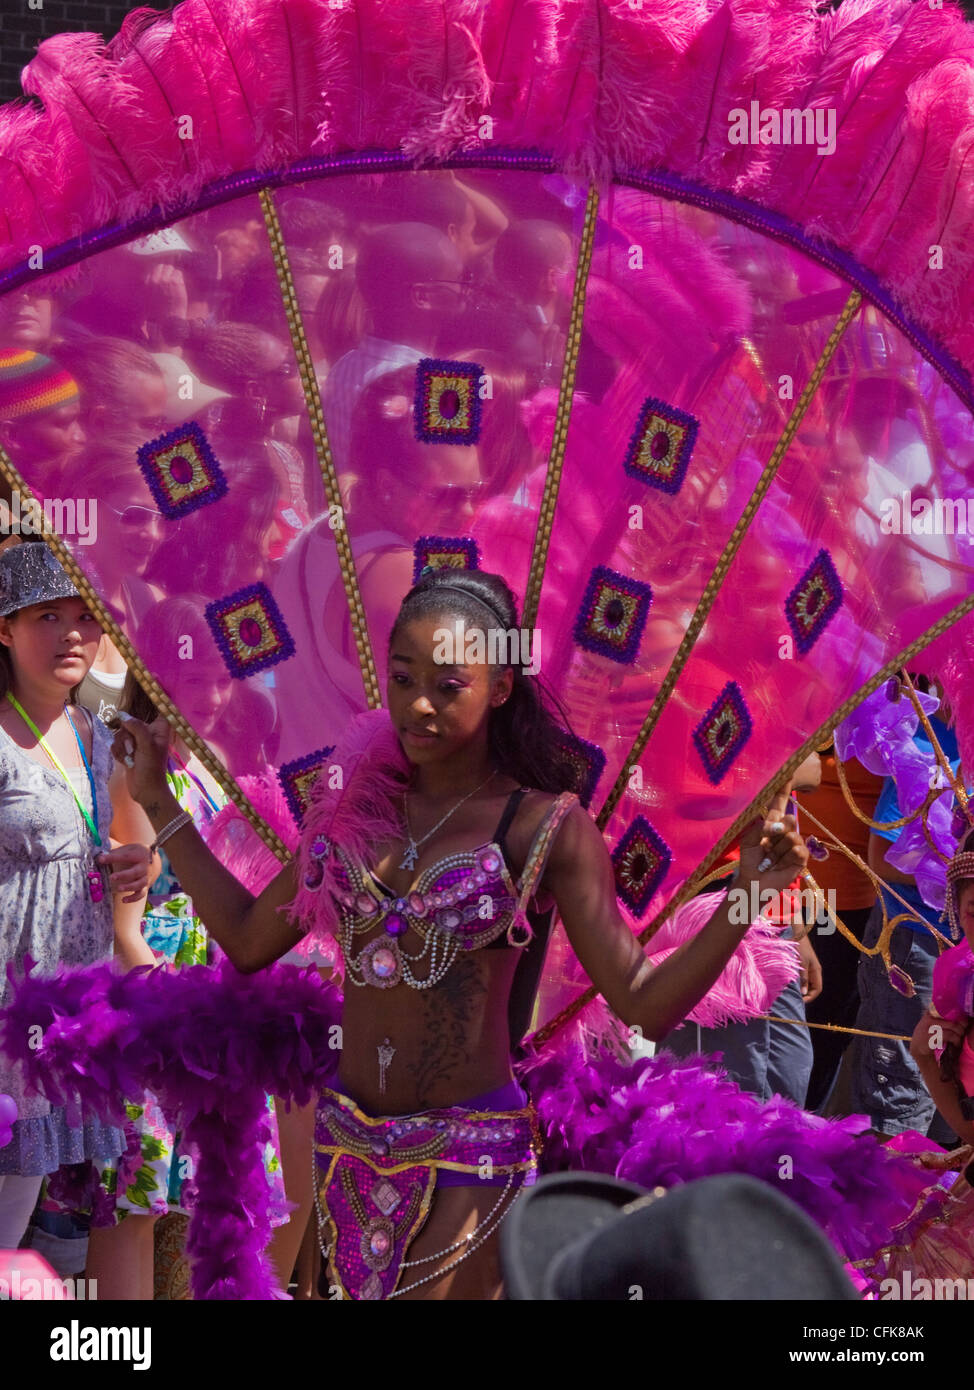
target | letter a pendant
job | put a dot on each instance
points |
(410, 857)
(386, 1054)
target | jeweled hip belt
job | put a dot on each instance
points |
(375, 1181)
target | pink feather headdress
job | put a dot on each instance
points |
(357, 804)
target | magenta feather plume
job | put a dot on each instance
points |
(359, 807)
(664, 1121)
(210, 1043)
(236, 843)
(762, 964)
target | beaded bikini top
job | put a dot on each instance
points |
(463, 902)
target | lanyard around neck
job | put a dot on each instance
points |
(92, 824)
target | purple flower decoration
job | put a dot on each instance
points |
(878, 727)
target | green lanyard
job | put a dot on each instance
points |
(57, 763)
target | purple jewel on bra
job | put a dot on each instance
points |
(365, 905)
(315, 876)
(396, 924)
(448, 919)
(489, 860)
(319, 848)
(417, 904)
(479, 879)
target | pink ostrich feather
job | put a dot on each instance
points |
(761, 966)
(603, 87)
(361, 813)
(236, 843)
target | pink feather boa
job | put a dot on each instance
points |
(606, 88)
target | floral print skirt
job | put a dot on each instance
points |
(150, 1177)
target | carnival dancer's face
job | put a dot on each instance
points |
(439, 706)
(965, 907)
(51, 644)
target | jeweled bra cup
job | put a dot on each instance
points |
(448, 898)
(462, 903)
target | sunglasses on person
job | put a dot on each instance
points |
(453, 495)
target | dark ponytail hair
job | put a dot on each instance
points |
(528, 737)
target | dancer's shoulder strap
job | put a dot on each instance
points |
(541, 845)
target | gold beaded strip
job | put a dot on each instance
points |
(316, 417)
(834, 1028)
(134, 663)
(709, 595)
(688, 890)
(956, 783)
(559, 440)
(860, 815)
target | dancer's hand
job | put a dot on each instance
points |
(144, 750)
(772, 851)
(811, 968)
(933, 1034)
(130, 865)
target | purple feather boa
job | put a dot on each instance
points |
(663, 1121)
(210, 1042)
(105, 1036)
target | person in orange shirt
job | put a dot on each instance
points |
(764, 1057)
(855, 896)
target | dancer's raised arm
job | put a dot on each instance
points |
(579, 874)
(252, 931)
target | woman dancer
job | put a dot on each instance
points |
(429, 1015)
(57, 872)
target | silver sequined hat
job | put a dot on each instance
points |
(30, 573)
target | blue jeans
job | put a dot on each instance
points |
(764, 1058)
(885, 1082)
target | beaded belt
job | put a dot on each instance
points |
(374, 1183)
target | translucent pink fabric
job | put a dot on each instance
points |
(699, 336)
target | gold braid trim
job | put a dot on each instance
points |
(709, 595)
(688, 890)
(148, 682)
(860, 815)
(316, 417)
(956, 783)
(559, 439)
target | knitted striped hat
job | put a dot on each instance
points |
(31, 383)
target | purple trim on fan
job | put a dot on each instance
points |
(780, 228)
(152, 471)
(823, 570)
(640, 842)
(456, 545)
(428, 370)
(596, 632)
(288, 774)
(660, 182)
(240, 667)
(729, 703)
(592, 757)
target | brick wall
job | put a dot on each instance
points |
(23, 28)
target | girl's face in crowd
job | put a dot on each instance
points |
(51, 644)
(438, 709)
(204, 694)
(965, 907)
